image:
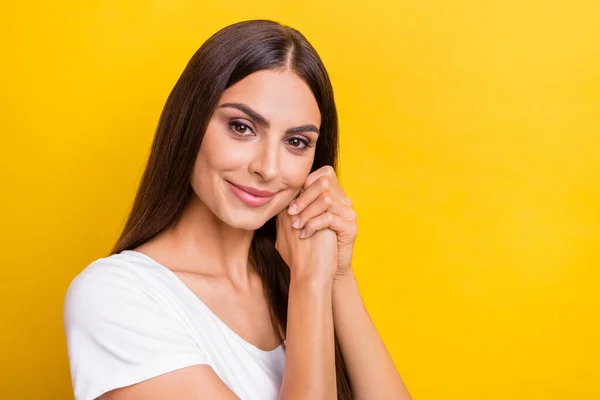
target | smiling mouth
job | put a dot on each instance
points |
(248, 198)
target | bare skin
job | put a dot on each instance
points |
(208, 250)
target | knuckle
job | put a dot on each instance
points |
(327, 199)
(315, 224)
(309, 225)
(353, 214)
(324, 182)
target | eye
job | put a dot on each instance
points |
(299, 143)
(240, 128)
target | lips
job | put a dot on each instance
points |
(251, 196)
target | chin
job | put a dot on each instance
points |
(247, 224)
(249, 219)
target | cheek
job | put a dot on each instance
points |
(295, 171)
(219, 152)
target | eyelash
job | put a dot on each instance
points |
(234, 124)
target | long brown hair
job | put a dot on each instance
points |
(227, 57)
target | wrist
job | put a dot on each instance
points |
(311, 281)
(344, 274)
(344, 284)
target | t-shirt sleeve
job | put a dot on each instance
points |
(119, 332)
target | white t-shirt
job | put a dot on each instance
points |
(128, 318)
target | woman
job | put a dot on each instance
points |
(237, 254)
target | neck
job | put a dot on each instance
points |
(202, 243)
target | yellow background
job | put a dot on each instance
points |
(470, 145)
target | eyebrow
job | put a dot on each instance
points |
(264, 122)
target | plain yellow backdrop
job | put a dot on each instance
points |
(470, 146)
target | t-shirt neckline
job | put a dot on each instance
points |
(185, 288)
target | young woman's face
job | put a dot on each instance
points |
(262, 136)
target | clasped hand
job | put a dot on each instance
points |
(316, 233)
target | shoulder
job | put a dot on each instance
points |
(107, 285)
(121, 328)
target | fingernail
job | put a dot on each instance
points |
(296, 222)
(303, 234)
(292, 208)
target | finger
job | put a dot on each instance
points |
(283, 220)
(323, 184)
(326, 170)
(324, 203)
(308, 196)
(331, 221)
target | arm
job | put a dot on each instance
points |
(323, 204)
(183, 384)
(370, 367)
(309, 367)
(310, 356)
(123, 345)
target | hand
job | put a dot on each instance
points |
(314, 258)
(322, 204)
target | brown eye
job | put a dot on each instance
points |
(240, 128)
(298, 143)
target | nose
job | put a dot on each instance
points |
(266, 161)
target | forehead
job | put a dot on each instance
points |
(280, 96)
